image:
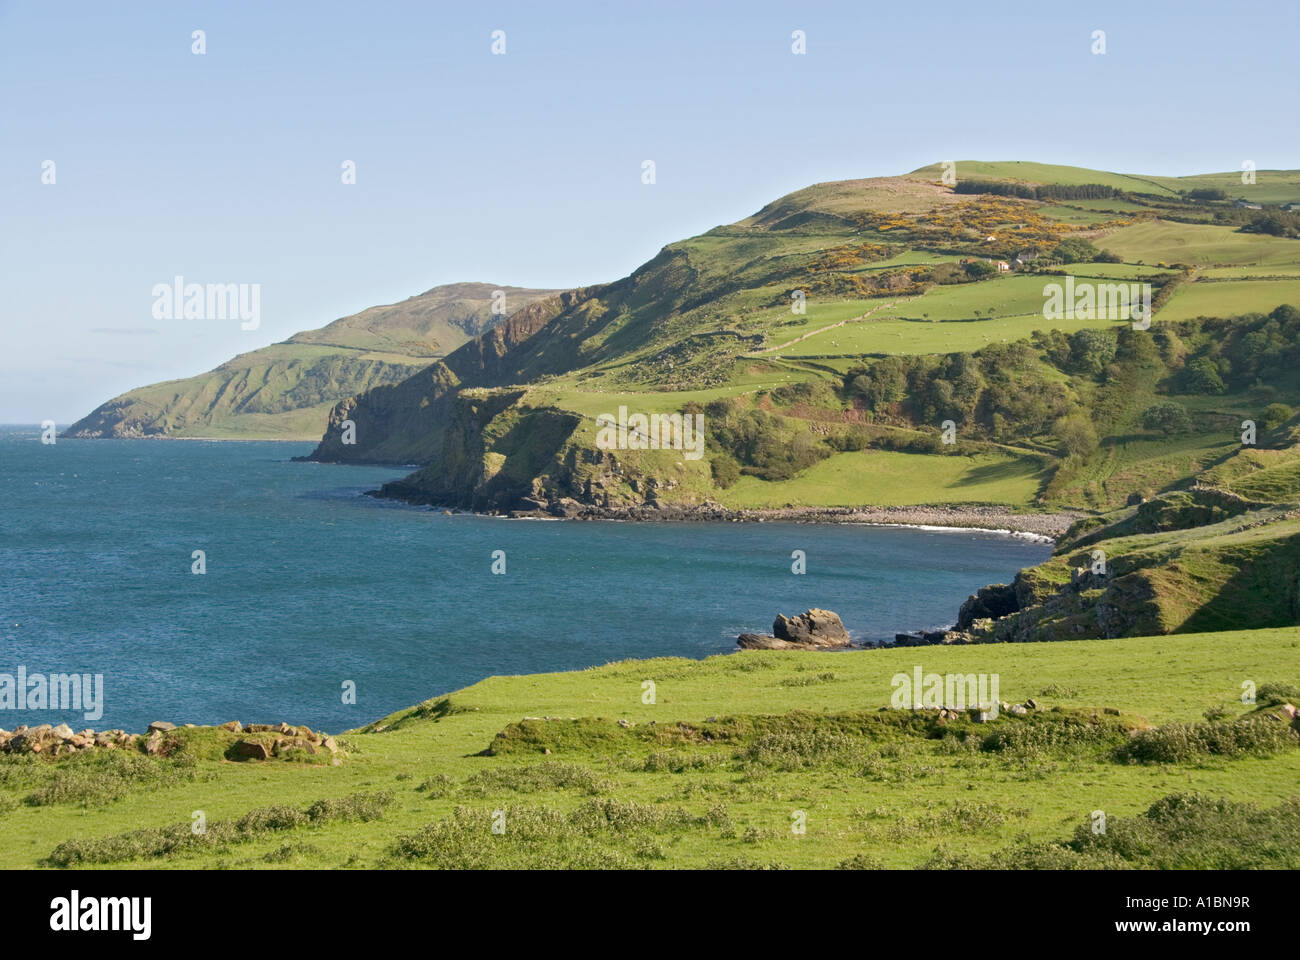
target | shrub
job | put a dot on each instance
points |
(725, 470)
(103, 776)
(551, 775)
(1269, 694)
(860, 861)
(1187, 742)
(1276, 414)
(1167, 417)
(153, 843)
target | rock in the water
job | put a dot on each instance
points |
(762, 641)
(812, 628)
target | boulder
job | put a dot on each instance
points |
(910, 640)
(812, 628)
(762, 641)
(234, 726)
(161, 726)
(62, 731)
(284, 744)
(329, 744)
(250, 750)
(990, 603)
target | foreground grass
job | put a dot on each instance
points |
(739, 744)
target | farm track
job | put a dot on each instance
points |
(829, 326)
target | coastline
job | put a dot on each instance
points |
(981, 517)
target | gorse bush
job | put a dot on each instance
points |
(551, 775)
(860, 861)
(1177, 832)
(1187, 742)
(1040, 735)
(176, 839)
(1189, 831)
(673, 761)
(1269, 694)
(744, 863)
(103, 776)
(593, 836)
(437, 786)
(797, 750)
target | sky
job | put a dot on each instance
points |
(526, 167)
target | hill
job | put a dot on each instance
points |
(285, 391)
(857, 343)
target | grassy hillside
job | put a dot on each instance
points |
(712, 772)
(829, 338)
(824, 281)
(286, 390)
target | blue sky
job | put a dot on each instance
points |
(526, 168)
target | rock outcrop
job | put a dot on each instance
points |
(814, 629)
(261, 741)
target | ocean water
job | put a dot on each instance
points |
(311, 584)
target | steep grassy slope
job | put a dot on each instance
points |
(285, 391)
(582, 772)
(817, 283)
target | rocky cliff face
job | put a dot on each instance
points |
(493, 456)
(1188, 560)
(417, 420)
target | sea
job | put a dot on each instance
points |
(206, 581)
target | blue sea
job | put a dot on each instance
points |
(310, 584)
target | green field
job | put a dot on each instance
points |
(903, 337)
(888, 478)
(667, 796)
(1229, 297)
(1163, 241)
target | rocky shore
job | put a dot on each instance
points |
(973, 516)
